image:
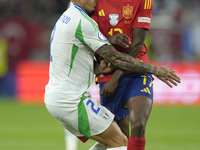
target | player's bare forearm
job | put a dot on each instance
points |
(138, 37)
(133, 51)
(124, 61)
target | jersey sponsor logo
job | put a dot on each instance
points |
(102, 37)
(148, 4)
(113, 19)
(98, 110)
(146, 90)
(101, 13)
(127, 11)
(144, 19)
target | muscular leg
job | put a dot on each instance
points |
(139, 110)
(111, 137)
(124, 125)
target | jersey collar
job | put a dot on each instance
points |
(79, 8)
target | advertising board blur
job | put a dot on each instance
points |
(31, 78)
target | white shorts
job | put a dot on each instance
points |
(87, 119)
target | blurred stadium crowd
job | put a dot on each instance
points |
(175, 30)
(25, 28)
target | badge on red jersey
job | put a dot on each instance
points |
(113, 19)
(127, 11)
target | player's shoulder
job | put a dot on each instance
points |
(72, 14)
(72, 10)
(146, 2)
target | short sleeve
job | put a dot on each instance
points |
(143, 15)
(92, 36)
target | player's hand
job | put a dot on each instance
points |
(119, 39)
(106, 67)
(109, 88)
(168, 76)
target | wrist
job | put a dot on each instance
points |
(157, 70)
(118, 74)
(109, 39)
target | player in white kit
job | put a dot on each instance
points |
(74, 41)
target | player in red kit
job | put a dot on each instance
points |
(132, 18)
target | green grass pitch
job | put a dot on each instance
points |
(31, 127)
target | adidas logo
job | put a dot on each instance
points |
(147, 4)
(101, 13)
(146, 90)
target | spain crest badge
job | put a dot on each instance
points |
(127, 11)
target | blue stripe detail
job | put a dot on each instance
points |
(79, 8)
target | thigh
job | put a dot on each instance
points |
(140, 85)
(139, 93)
(87, 119)
(116, 103)
(124, 125)
(64, 116)
(112, 136)
(99, 117)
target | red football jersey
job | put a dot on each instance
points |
(115, 17)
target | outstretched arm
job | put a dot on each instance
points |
(138, 36)
(126, 62)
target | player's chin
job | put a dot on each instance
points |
(94, 8)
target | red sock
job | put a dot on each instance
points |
(135, 143)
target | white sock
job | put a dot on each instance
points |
(98, 146)
(71, 141)
(118, 148)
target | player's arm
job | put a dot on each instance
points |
(129, 63)
(119, 39)
(138, 36)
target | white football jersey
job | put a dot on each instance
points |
(74, 40)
